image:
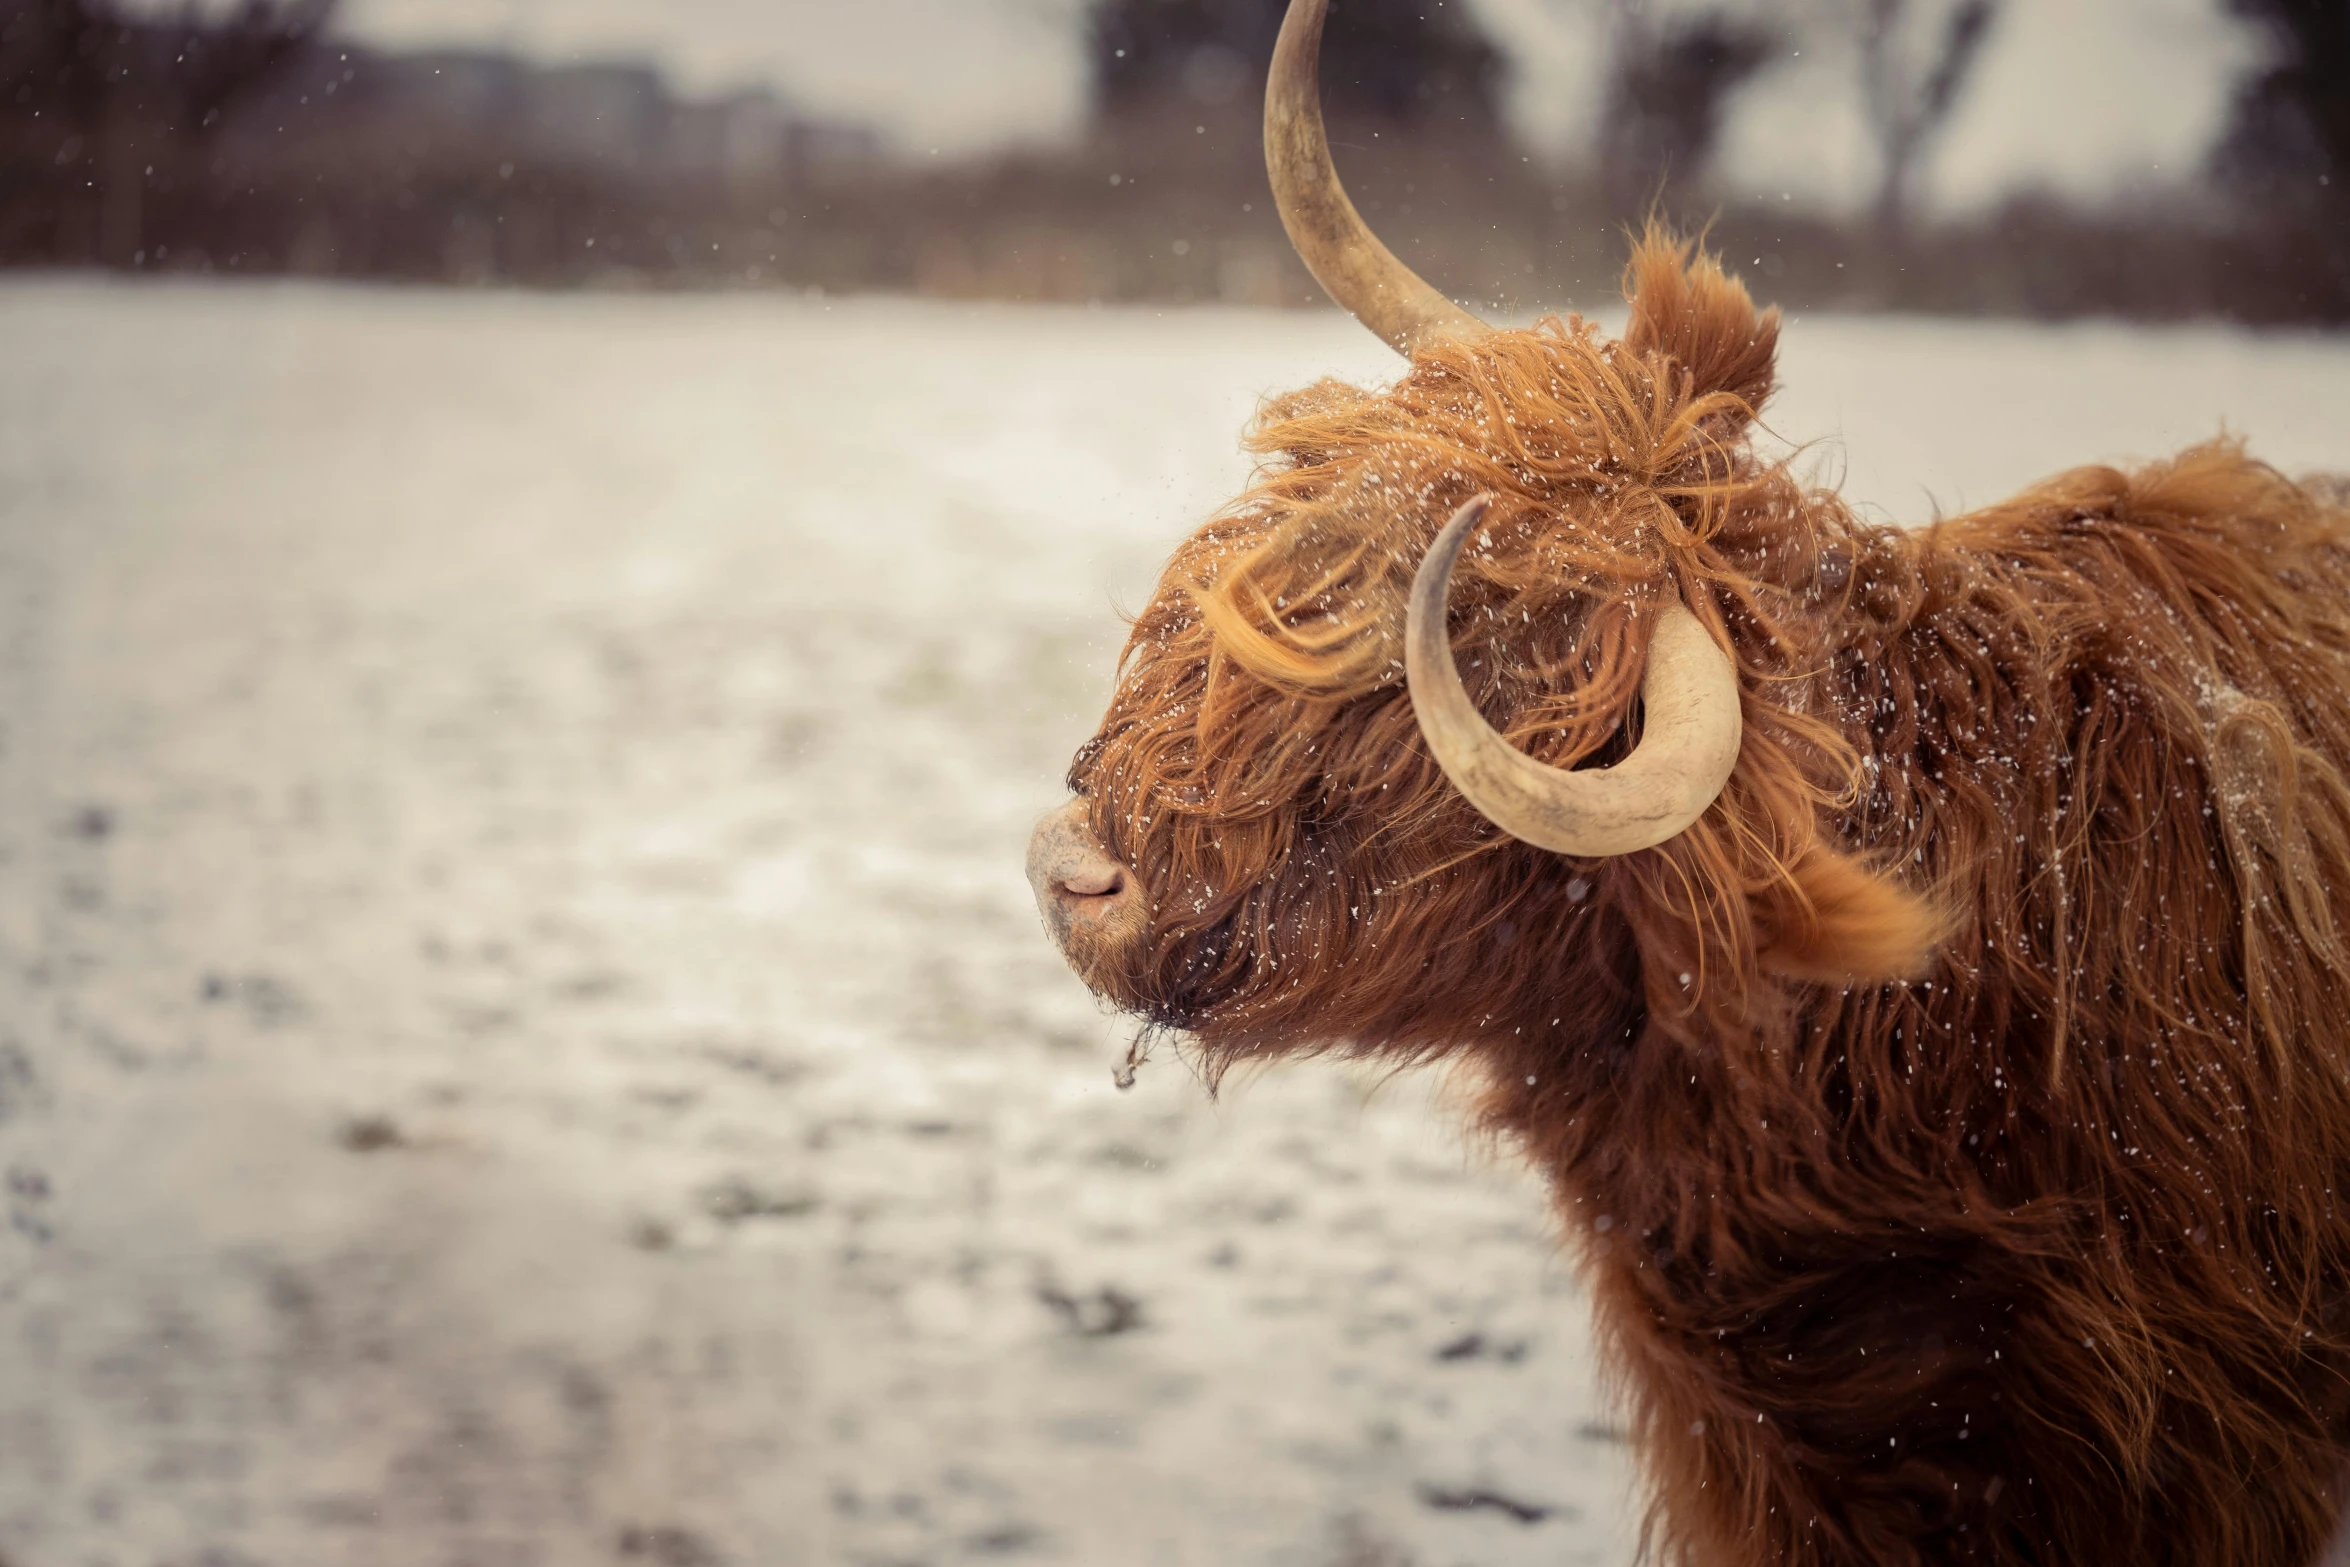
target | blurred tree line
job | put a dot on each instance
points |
(104, 95)
(250, 138)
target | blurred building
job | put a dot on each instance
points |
(261, 143)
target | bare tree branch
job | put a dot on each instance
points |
(1907, 111)
(1670, 85)
(1670, 76)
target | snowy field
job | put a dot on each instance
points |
(522, 1036)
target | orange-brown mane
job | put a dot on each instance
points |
(1994, 1013)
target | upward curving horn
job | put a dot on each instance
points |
(1345, 257)
(1687, 749)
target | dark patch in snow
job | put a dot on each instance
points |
(666, 1545)
(734, 1199)
(18, 1086)
(1479, 1499)
(772, 1069)
(1476, 1346)
(268, 1001)
(1005, 1540)
(369, 1134)
(1105, 1313)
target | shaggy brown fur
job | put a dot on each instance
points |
(1953, 1118)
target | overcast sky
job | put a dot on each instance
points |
(2087, 97)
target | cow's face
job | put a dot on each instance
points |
(1267, 851)
(1275, 845)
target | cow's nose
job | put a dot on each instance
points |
(1078, 886)
(1097, 877)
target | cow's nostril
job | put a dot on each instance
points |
(1094, 881)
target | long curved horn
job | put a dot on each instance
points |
(1345, 257)
(1685, 755)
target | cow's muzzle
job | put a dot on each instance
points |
(1093, 906)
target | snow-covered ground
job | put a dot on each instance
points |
(522, 1037)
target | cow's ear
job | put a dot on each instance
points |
(1833, 918)
(1687, 309)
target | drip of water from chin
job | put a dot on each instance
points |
(1137, 1052)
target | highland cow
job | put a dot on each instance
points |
(1919, 961)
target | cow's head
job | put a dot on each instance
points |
(1482, 714)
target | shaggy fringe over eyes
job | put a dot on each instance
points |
(1262, 737)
